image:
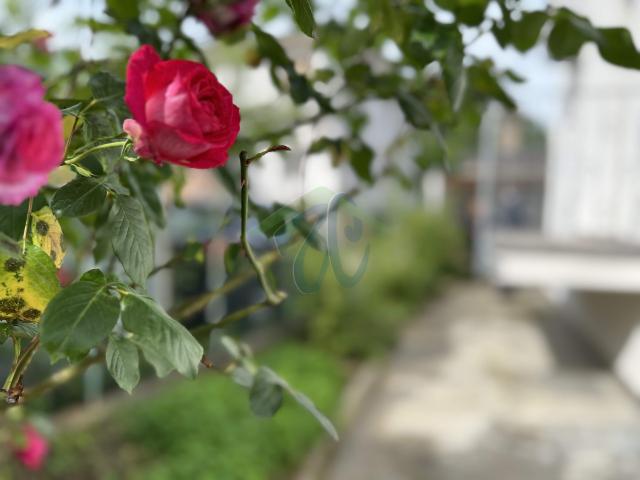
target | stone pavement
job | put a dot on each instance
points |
(477, 391)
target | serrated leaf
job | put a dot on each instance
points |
(27, 283)
(46, 233)
(79, 317)
(79, 197)
(123, 362)
(131, 238)
(303, 14)
(144, 189)
(159, 336)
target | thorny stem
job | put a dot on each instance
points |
(63, 376)
(273, 298)
(24, 360)
(16, 356)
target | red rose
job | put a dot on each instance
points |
(224, 16)
(181, 113)
(33, 451)
(31, 140)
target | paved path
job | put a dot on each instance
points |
(475, 392)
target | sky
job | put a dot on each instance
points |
(540, 98)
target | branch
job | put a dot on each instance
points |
(63, 376)
(273, 298)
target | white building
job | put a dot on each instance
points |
(588, 250)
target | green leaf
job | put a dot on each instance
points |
(123, 362)
(415, 110)
(483, 80)
(565, 40)
(303, 14)
(525, 33)
(361, 159)
(105, 86)
(12, 41)
(571, 31)
(469, 12)
(141, 184)
(159, 336)
(269, 47)
(102, 124)
(123, 10)
(265, 396)
(79, 197)
(131, 238)
(79, 317)
(616, 46)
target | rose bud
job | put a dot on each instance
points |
(181, 113)
(31, 138)
(224, 16)
(33, 450)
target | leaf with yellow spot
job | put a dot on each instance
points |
(27, 283)
(46, 233)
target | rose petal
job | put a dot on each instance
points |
(168, 144)
(139, 65)
(14, 193)
(139, 137)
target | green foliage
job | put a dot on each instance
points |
(79, 197)
(164, 342)
(27, 283)
(303, 13)
(407, 262)
(131, 240)
(122, 362)
(79, 317)
(204, 429)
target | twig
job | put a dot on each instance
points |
(273, 298)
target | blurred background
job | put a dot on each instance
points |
(493, 333)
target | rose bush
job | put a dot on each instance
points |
(106, 206)
(181, 113)
(31, 134)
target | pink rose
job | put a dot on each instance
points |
(31, 139)
(224, 16)
(34, 449)
(181, 113)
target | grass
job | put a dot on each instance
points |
(203, 429)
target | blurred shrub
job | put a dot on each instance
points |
(407, 261)
(204, 429)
